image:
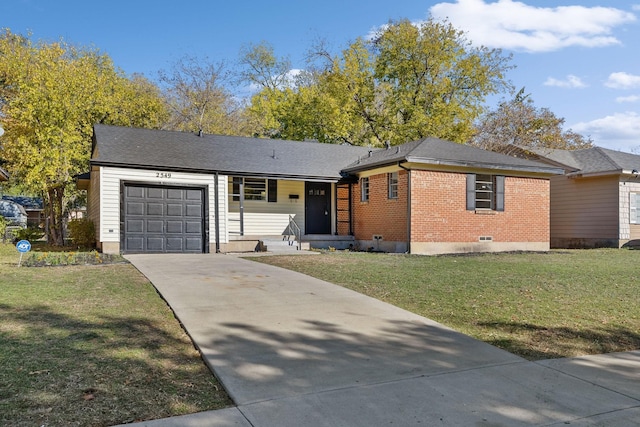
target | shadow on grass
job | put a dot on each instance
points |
(541, 342)
(62, 370)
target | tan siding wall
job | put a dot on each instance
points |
(109, 222)
(262, 218)
(584, 208)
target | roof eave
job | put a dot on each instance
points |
(294, 177)
(490, 166)
(580, 174)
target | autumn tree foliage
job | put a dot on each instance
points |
(517, 123)
(406, 82)
(51, 94)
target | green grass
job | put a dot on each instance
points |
(93, 346)
(536, 305)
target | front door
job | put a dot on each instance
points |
(318, 208)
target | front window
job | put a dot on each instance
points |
(254, 189)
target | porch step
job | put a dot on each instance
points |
(282, 245)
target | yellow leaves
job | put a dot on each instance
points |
(52, 95)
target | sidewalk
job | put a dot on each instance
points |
(292, 350)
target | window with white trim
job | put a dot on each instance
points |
(634, 204)
(392, 184)
(364, 189)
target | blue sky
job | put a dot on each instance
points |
(579, 58)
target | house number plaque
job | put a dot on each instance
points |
(163, 174)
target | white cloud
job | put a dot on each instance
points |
(620, 131)
(622, 80)
(571, 81)
(631, 98)
(515, 25)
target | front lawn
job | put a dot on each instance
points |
(536, 305)
(93, 345)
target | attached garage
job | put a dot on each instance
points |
(163, 219)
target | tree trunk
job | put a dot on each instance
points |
(55, 214)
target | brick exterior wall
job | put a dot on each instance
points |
(381, 215)
(438, 210)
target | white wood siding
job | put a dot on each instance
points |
(262, 218)
(585, 208)
(111, 178)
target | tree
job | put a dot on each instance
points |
(407, 82)
(262, 68)
(198, 98)
(518, 123)
(50, 97)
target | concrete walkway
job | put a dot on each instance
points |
(292, 350)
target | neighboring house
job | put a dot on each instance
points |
(596, 203)
(165, 191)
(13, 212)
(33, 207)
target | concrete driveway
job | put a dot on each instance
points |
(292, 350)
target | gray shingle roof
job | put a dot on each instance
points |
(169, 150)
(439, 152)
(183, 151)
(596, 160)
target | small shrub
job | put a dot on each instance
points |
(30, 233)
(82, 232)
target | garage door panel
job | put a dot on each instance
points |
(193, 195)
(134, 208)
(193, 244)
(175, 193)
(174, 209)
(135, 243)
(174, 227)
(134, 192)
(154, 244)
(154, 226)
(134, 226)
(155, 193)
(155, 209)
(194, 211)
(163, 219)
(175, 244)
(193, 227)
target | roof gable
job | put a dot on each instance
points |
(595, 160)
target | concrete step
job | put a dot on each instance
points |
(283, 246)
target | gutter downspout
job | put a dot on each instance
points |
(408, 206)
(216, 204)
